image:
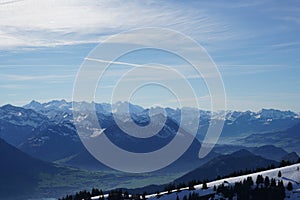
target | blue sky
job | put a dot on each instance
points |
(255, 45)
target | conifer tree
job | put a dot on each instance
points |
(289, 186)
(279, 174)
(204, 186)
(267, 181)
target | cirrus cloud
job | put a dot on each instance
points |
(51, 23)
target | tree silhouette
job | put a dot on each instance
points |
(204, 186)
(289, 186)
(279, 174)
(267, 181)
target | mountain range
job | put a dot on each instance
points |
(47, 131)
(42, 139)
(237, 123)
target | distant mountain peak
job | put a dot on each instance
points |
(8, 106)
(242, 153)
(34, 105)
(276, 114)
(226, 164)
(125, 106)
(34, 102)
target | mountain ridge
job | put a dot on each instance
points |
(54, 129)
(226, 164)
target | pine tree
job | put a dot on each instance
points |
(144, 195)
(215, 188)
(289, 186)
(250, 180)
(267, 181)
(191, 186)
(126, 194)
(259, 179)
(279, 174)
(204, 186)
(273, 182)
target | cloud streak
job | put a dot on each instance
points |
(14, 77)
(50, 23)
(113, 62)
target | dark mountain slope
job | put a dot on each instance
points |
(226, 164)
(53, 142)
(189, 160)
(291, 157)
(288, 139)
(266, 151)
(19, 171)
(269, 152)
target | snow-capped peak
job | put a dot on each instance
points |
(275, 114)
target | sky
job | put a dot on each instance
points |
(255, 45)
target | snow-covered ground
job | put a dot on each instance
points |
(289, 174)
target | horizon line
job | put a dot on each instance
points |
(148, 107)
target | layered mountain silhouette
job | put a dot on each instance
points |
(39, 134)
(46, 131)
(267, 151)
(226, 164)
(57, 141)
(287, 139)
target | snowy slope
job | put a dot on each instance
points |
(289, 174)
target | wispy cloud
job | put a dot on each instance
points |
(113, 62)
(9, 2)
(286, 44)
(14, 77)
(237, 4)
(143, 74)
(248, 69)
(50, 23)
(12, 86)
